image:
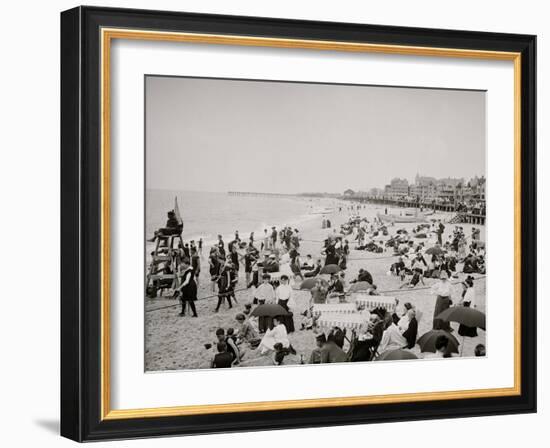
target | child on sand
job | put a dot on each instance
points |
(279, 354)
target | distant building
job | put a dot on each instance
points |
(424, 189)
(398, 188)
(427, 190)
(448, 188)
(349, 193)
(376, 192)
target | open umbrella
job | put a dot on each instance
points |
(269, 310)
(396, 355)
(464, 315)
(360, 286)
(427, 341)
(330, 269)
(309, 283)
(435, 250)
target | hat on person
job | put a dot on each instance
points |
(443, 275)
(239, 316)
(272, 256)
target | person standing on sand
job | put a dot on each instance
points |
(273, 237)
(439, 231)
(264, 292)
(195, 264)
(221, 246)
(295, 264)
(234, 257)
(411, 331)
(249, 261)
(188, 288)
(468, 300)
(225, 285)
(214, 263)
(442, 290)
(200, 247)
(265, 241)
(331, 257)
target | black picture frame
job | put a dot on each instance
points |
(81, 224)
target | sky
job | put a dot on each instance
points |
(233, 135)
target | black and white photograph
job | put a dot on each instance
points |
(294, 223)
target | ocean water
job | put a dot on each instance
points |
(206, 215)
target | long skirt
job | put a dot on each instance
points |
(441, 304)
(464, 330)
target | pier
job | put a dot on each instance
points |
(265, 195)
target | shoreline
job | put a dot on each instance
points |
(300, 222)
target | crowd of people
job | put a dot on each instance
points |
(274, 268)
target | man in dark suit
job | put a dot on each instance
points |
(412, 330)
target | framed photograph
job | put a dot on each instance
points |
(273, 223)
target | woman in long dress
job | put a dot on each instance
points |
(331, 257)
(442, 290)
(277, 334)
(468, 299)
(188, 288)
(285, 299)
(462, 248)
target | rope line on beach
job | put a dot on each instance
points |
(392, 291)
(202, 298)
(373, 258)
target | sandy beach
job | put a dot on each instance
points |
(175, 343)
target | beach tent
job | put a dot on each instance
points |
(177, 212)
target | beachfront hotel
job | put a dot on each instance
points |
(428, 190)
